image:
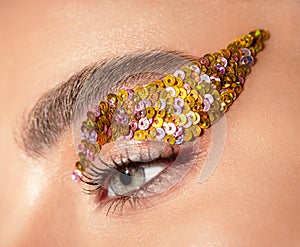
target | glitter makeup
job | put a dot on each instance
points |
(175, 109)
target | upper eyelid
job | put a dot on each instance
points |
(52, 115)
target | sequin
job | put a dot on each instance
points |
(209, 97)
(154, 97)
(181, 120)
(192, 115)
(151, 133)
(196, 130)
(157, 122)
(179, 73)
(90, 155)
(179, 101)
(129, 136)
(150, 112)
(78, 165)
(82, 147)
(169, 100)
(112, 99)
(175, 109)
(160, 133)
(194, 94)
(247, 60)
(187, 71)
(133, 125)
(223, 60)
(76, 175)
(141, 92)
(170, 110)
(220, 68)
(93, 136)
(191, 82)
(140, 135)
(179, 140)
(204, 61)
(97, 111)
(195, 68)
(189, 123)
(102, 139)
(143, 124)
(169, 139)
(139, 106)
(186, 108)
(182, 93)
(161, 113)
(205, 78)
(163, 104)
(170, 128)
(179, 131)
(206, 105)
(204, 121)
(197, 120)
(190, 100)
(123, 94)
(245, 52)
(172, 91)
(169, 80)
(187, 135)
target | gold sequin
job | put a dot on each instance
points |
(186, 108)
(190, 82)
(151, 133)
(79, 166)
(112, 98)
(103, 106)
(150, 112)
(228, 96)
(142, 92)
(187, 71)
(187, 135)
(181, 120)
(161, 113)
(123, 94)
(157, 122)
(169, 80)
(207, 89)
(196, 130)
(158, 84)
(190, 100)
(169, 139)
(140, 135)
(204, 121)
(182, 93)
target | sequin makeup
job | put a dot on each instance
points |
(174, 110)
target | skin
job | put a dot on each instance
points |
(252, 198)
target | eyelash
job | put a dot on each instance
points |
(99, 179)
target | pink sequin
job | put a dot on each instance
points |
(76, 176)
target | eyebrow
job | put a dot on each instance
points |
(53, 113)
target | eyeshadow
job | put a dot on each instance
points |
(175, 109)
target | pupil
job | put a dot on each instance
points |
(125, 177)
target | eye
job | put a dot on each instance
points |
(135, 172)
(131, 178)
(127, 179)
(140, 142)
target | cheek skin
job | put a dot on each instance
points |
(251, 196)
